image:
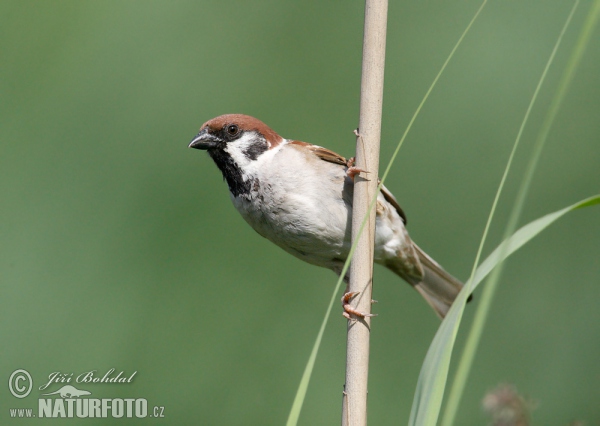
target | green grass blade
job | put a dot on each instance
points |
(466, 361)
(302, 388)
(524, 235)
(437, 77)
(432, 379)
(304, 381)
(458, 385)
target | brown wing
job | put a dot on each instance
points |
(392, 200)
(332, 157)
(323, 153)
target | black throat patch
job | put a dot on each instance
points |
(231, 173)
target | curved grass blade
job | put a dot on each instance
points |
(468, 354)
(432, 394)
(432, 379)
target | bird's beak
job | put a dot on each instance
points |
(204, 140)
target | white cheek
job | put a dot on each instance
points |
(237, 151)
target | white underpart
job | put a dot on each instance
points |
(299, 205)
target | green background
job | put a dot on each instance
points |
(120, 247)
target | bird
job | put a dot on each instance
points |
(299, 196)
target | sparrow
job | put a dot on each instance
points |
(299, 196)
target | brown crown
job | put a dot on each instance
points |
(245, 123)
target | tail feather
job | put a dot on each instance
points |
(437, 286)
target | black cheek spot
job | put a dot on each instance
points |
(254, 150)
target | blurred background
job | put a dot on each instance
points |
(121, 249)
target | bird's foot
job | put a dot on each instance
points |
(349, 310)
(352, 170)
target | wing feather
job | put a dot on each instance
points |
(323, 153)
(335, 158)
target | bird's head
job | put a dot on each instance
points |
(235, 142)
(238, 135)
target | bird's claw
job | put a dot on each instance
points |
(349, 310)
(352, 170)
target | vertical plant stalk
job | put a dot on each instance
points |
(354, 406)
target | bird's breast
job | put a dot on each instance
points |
(301, 215)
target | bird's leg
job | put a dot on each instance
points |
(352, 170)
(348, 309)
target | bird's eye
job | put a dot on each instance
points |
(232, 129)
